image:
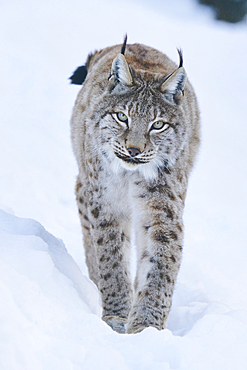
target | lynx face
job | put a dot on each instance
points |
(143, 134)
(135, 135)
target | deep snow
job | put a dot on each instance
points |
(50, 310)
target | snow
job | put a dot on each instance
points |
(50, 310)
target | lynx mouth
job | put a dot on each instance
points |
(131, 160)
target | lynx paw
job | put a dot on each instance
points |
(116, 323)
(136, 325)
(135, 328)
(141, 319)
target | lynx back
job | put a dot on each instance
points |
(135, 134)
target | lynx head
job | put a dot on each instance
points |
(144, 128)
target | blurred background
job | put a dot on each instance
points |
(232, 11)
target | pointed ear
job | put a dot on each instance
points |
(120, 72)
(173, 87)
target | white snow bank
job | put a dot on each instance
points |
(50, 316)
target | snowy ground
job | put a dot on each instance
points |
(49, 310)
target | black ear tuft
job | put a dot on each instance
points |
(78, 77)
(180, 53)
(124, 44)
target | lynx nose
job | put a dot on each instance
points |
(133, 151)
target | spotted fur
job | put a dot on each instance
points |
(133, 176)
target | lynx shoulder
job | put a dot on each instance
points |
(135, 134)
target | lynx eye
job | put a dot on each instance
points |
(122, 117)
(159, 125)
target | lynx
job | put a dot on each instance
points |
(135, 134)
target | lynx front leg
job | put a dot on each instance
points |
(111, 239)
(90, 252)
(159, 243)
(157, 272)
